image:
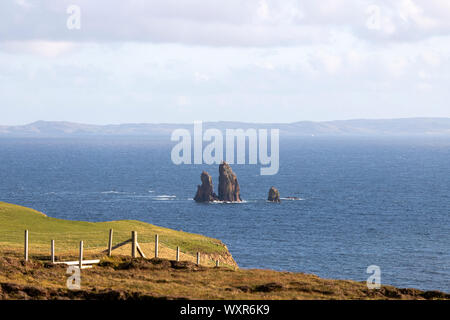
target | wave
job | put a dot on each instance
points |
(228, 202)
(114, 192)
(292, 199)
(164, 197)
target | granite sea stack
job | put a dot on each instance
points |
(274, 195)
(205, 192)
(228, 184)
(229, 190)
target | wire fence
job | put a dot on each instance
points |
(38, 245)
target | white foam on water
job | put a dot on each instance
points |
(164, 197)
(113, 192)
(228, 202)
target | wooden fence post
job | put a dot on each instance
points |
(25, 253)
(52, 251)
(110, 242)
(81, 255)
(198, 258)
(156, 245)
(178, 253)
(133, 244)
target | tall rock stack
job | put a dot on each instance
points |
(228, 184)
(205, 192)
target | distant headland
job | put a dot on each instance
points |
(341, 128)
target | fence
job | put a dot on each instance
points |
(124, 245)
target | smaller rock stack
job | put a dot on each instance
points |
(205, 192)
(274, 195)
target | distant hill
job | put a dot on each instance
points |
(357, 127)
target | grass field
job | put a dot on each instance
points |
(67, 234)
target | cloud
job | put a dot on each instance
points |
(183, 101)
(23, 3)
(223, 23)
(201, 77)
(408, 21)
(49, 49)
(135, 82)
(331, 63)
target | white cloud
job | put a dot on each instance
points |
(431, 58)
(49, 49)
(410, 11)
(23, 3)
(331, 62)
(424, 87)
(201, 77)
(176, 59)
(265, 65)
(224, 23)
(397, 65)
(183, 101)
(263, 10)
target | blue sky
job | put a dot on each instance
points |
(254, 60)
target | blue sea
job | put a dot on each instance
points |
(362, 201)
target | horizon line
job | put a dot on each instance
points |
(222, 121)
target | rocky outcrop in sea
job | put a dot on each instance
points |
(274, 195)
(205, 191)
(228, 184)
(229, 190)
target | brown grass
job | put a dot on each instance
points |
(124, 278)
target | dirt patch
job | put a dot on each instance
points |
(143, 264)
(267, 287)
(435, 295)
(15, 291)
(225, 257)
(187, 266)
(127, 263)
(20, 291)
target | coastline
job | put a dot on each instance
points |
(122, 278)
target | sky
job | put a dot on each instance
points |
(135, 61)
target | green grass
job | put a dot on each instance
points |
(15, 219)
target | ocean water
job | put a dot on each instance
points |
(363, 201)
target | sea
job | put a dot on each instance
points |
(359, 202)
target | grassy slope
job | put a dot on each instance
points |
(67, 234)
